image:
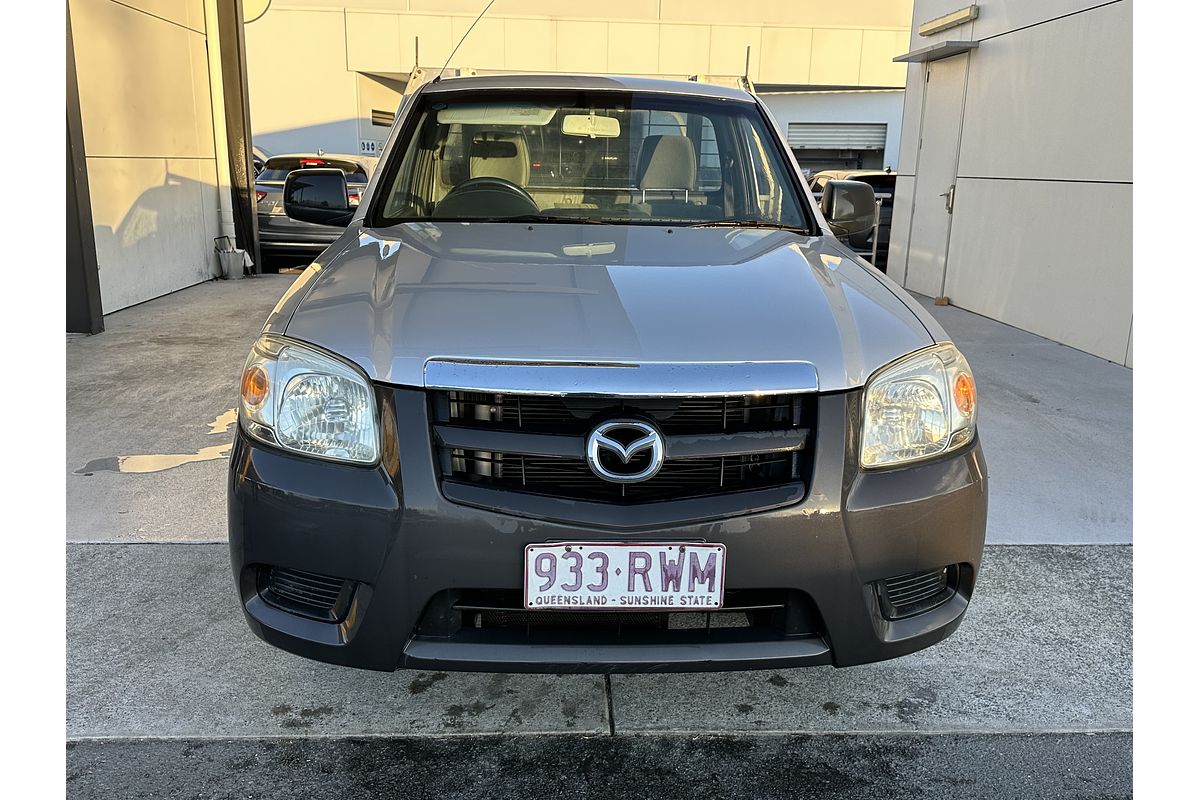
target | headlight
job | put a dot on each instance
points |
(300, 399)
(919, 407)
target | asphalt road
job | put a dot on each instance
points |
(932, 767)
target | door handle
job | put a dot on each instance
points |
(949, 195)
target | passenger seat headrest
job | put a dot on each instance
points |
(667, 162)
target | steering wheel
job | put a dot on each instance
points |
(486, 197)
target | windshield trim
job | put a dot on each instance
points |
(385, 174)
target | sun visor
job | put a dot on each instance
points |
(495, 114)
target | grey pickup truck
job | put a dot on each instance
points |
(589, 383)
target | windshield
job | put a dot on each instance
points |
(609, 157)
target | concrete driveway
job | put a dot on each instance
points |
(169, 695)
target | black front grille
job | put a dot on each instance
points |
(514, 463)
(578, 415)
(308, 594)
(915, 592)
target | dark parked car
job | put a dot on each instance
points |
(884, 184)
(559, 400)
(279, 235)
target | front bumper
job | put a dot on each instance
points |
(390, 530)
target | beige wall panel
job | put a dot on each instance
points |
(484, 48)
(1017, 257)
(727, 50)
(582, 46)
(683, 49)
(376, 93)
(910, 127)
(435, 35)
(299, 104)
(189, 13)
(632, 48)
(612, 9)
(143, 83)
(786, 55)
(836, 56)
(873, 13)
(878, 50)
(1077, 124)
(373, 43)
(529, 45)
(154, 222)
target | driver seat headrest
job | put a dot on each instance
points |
(500, 155)
(667, 162)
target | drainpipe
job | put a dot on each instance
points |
(225, 223)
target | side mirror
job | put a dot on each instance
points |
(849, 207)
(317, 195)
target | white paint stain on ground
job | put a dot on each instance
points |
(223, 423)
(159, 462)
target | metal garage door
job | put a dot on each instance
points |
(837, 135)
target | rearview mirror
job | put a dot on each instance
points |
(849, 207)
(591, 126)
(317, 195)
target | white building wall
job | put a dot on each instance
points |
(872, 106)
(1040, 235)
(146, 108)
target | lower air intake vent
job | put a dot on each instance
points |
(905, 595)
(306, 593)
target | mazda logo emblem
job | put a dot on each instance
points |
(623, 440)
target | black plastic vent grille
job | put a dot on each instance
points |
(577, 415)
(500, 613)
(905, 595)
(306, 593)
(572, 478)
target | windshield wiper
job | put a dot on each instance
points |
(747, 223)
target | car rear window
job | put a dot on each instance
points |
(277, 169)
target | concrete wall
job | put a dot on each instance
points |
(301, 103)
(146, 107)
(1040, 235)
(855, 106)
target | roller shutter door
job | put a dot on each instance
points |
(837, 135)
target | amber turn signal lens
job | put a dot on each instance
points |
(254, 386)
(964, 393)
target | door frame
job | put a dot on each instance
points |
(912, 211)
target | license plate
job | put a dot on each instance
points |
(595, 576)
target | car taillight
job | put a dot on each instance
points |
(259, 196)
(353, 195)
